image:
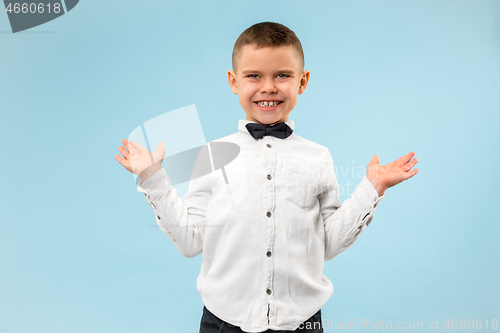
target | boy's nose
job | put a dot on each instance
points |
(268, 86)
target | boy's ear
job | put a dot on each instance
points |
(303, 81)
(231, 78)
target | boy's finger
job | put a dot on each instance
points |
(125, 143)
(375, 160)
(121, 160)
(137, 146)
(131, 149)
(404, 159)
(409, 165)
(411, 173)
(124, 152)
(412, 163)
(125, 163)
(161, 148)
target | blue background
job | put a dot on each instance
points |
(79, 247)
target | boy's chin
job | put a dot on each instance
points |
(266, 117)
(265, 120)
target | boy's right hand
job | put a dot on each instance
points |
(139, 160)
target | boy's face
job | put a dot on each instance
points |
(268, 74)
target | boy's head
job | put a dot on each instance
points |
(268, 66)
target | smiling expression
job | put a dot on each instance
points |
(268, 81)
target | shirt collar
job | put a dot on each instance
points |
(242, 124)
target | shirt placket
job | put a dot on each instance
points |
(269, 201)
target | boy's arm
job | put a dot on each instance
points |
(344, 222)
(181, 219)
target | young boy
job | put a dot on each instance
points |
(263, 257)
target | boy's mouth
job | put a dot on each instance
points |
(268, 104)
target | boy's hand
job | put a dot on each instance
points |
(384, 176)
(139, 160)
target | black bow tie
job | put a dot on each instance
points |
(279, 130)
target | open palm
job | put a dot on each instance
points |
(384, 176)
(136, 158)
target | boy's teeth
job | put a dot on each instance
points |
(265, 104)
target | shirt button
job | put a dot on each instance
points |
(269, 291)
(268, 145)
(268, 214)
(158, 217)
(268, 253)
(269, 177)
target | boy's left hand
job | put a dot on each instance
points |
(384, 176)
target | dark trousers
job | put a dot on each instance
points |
(212, 324)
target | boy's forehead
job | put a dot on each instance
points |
(268, 56)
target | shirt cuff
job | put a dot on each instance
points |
(155, 185)
(366, 195)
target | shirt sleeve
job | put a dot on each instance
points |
(344, 222)
(181, 219)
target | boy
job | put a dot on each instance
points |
(263, 258)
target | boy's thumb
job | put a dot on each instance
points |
(161, 148)
(375, 159)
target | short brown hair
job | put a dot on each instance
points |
(268, 34)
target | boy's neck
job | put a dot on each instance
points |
(272, 123)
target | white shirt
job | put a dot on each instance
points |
(265, 228)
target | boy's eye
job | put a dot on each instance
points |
(279, 75)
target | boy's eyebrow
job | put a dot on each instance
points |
(285, 71)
